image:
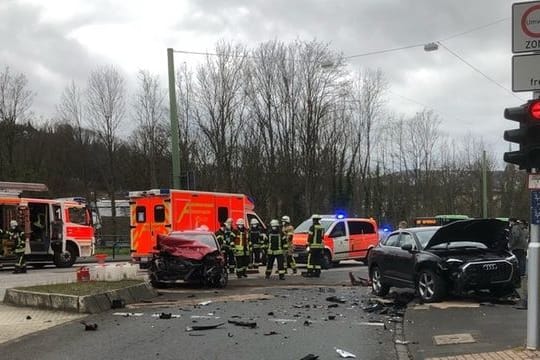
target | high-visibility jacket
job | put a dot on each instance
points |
(256, 238)
(275, 243)
(220, 236)
(17, 236)
(288, 231)
(315, 236)
(241, 243)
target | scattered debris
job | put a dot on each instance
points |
(310, 357)
(28, 317)
(118, 304)
(127, 314)
(307, 323)
(371, 323)
(230, 335)
(204, 317)
(331, 317)
(283, 320)
(333, 306)
(271, 313)
(271, 333)
(249, 324)
(396, 319)
(401, 342)
(89, 327)
(204, 303)
(166, 316)
(336, 299)
(359, 281)
(203, 327)
(345, 354)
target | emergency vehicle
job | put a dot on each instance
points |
(344, 239)
(57, 230)
(160, 211)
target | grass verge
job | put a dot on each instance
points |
(81, 288)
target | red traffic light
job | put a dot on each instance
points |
(534, 110)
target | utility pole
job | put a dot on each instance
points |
(175, 143)
(484, 186)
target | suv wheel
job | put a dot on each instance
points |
(430, 286)
(377, 285)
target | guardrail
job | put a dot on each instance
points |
(113, 242)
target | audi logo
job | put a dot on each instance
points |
(489, 267)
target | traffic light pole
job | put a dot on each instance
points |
(533, 269)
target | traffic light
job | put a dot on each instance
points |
(527, 136)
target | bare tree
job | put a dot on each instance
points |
(150, 112)
(106, 108)
(15, 102)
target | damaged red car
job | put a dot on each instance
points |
(188, 257)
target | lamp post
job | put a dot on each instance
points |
(175, 144)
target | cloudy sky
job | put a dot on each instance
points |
(55, 41)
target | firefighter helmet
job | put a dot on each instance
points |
(254, 222)
(285, 219)
(274, 223)
(239, 222)
(13, 224)
(316, 217)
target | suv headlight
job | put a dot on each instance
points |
(511, 258)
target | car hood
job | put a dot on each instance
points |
(184, 247)
(486, 231)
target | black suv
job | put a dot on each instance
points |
(469, 255)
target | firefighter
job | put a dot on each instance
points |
(16, 235)
(220, 236)
(288, 231)
(276, 240)
(228, 243)
(256, 239)
(315, 244)
(241, 248)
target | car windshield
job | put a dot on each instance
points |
(460, 244)
(304, 227)
(424, 236)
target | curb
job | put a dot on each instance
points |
(89, 304)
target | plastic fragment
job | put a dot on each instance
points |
(345, 354)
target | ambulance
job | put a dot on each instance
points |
(57, 231)
(160, 211)
(344, 239)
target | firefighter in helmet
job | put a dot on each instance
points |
(241, 248)
(315, 244)
(288, 231)
(276, 241)
(256, 239)
(16, 235)
(228, 244)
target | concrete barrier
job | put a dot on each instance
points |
(91, 304)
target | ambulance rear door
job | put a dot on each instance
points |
(150, 216)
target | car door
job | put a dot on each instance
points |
(404, 260)
(387, 255)
(340, 239)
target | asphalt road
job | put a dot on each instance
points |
(293, 319)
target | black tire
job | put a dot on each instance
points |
(430, 286)
(326, 260)
(66, 259)
(377, 286)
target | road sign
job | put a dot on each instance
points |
(526, 27)
(526, 72)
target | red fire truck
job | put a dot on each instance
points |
(57, 230)
(160, 211)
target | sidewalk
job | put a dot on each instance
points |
(466, 330)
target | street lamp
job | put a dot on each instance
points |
(175, 143)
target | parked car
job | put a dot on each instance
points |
(468, 255)
(188, 256)
(344, 239)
